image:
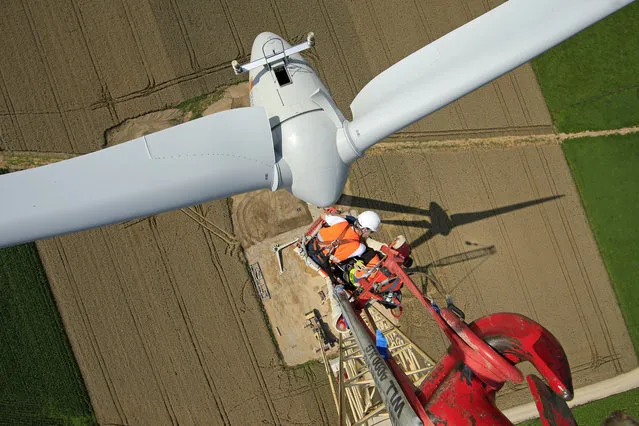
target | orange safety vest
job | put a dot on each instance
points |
(339, 240)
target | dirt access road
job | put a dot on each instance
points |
(163, 321)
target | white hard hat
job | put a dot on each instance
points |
(370, 220)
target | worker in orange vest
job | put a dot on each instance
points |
(343, 238)
(335, 240)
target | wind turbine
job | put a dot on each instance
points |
(292, 137)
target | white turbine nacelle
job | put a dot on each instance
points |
(293, 136)
(304, 120)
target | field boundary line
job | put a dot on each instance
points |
(94, 343)
(470, 142)
(407, 144)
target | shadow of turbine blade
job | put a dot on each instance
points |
(373, 204)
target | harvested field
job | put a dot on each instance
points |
(72, 70)
(166, 327)
(159, 309)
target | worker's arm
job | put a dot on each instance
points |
(331, 211)
(331, 220)
(374, 244)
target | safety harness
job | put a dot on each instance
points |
(330, 246)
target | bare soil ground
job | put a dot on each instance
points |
(260, 215)
(161, 313)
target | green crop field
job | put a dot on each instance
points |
(41, 383)
(591, 82)
(606, 171)
(596, 412)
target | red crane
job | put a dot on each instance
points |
(482, 355)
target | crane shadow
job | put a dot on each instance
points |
(441, 223)
(465, 256)
(325, 330)
(428, 276)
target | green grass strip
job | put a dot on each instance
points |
(41, 382)
(594, 413)
(591, 81)
(197, 105)
(606, 171)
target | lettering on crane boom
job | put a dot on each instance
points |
(395, 399)
(399, 409)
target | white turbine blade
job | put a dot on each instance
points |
(209, 158)
(466, 59)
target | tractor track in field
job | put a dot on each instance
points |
(119, 278)
(238, 319)
(590, 290)
(400, 142)
(590, 285)
(49, 75)
(184, 312)
(83, 313)
(138, 46)
(106, 94)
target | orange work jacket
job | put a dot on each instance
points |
(343, 237)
